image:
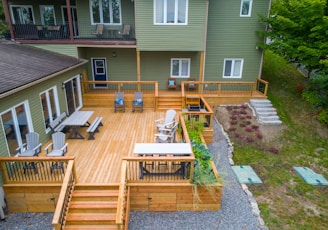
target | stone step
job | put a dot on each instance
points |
(277, 122)
(267, 114)
(259, 101)
(270, 118)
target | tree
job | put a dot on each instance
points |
(3, 26)
(298, 31)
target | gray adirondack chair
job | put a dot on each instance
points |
(59, 148)
(31, 148)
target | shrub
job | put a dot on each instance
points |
(323, 116)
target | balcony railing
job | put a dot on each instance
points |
(62, 32)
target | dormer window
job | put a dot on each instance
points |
(170, 12)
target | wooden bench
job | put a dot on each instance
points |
(93, 128)
(55, 125)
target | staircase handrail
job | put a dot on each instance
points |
(121, 195)
(65, 196)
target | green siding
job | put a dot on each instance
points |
(69, 50)
(232, 36)
(32, 95)
(152, 37)
(123, 67)
(156, 66)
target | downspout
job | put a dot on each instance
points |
(262, 57)
(203, 53)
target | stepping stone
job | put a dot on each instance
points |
(246, 175)
(310, 177)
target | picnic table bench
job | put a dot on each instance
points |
(56, 125)
(93, 128)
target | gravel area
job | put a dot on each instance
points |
(237, 209)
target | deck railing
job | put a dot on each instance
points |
(16, 170)
(121, 203)
(64, 198)
(128, 87)
(210, 88)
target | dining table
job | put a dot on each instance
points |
(162, 149)
(76, 120)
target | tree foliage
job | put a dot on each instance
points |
(298, 31)
(3, 26)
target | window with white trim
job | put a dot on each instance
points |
(105, 12)
(232, 68)
(180, 68)
(246, 8)
(17, 122)
(171, 12)
(22, 14)
(48, 15)
(50, 106)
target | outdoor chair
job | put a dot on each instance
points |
(119, 103)
(59, 148)
(168, 121)
(31, 148)
(125, 33)
(191, 85)
(137, 103)
(99, 30)
(172, 83)
(167, 135)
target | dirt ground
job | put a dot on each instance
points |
(270, 133)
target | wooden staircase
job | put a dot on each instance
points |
(93, 207)
(169, 102)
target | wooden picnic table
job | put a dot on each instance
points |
(75, 121)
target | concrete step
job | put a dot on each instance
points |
(265, 113)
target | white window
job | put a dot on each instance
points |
(171, 12)
(246, 8)
(50, 106)
(22, 14)
(17, 123)
(180, 68)
(233, 68)
(48, 15)
(105, 11)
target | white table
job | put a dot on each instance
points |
(162, 149)
(76, 120)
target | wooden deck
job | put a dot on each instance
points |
(99, 160)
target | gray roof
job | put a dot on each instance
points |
(21, 65)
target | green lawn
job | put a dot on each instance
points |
(285, 200)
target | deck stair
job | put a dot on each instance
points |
(265, 113)
(93, 207)
(166, 102)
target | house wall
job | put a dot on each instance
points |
(157, 65)
(32, 95)
(232, 36)
(123, 67)
(188, 37)
(69, 50)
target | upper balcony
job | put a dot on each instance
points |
(74, 22)
(84, 34)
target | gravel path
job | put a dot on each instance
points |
(236, 210)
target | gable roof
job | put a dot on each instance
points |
(22, 66)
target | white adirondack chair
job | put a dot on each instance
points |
(168, 121)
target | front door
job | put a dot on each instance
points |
(99, 71)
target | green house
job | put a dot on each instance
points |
(147, 40)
